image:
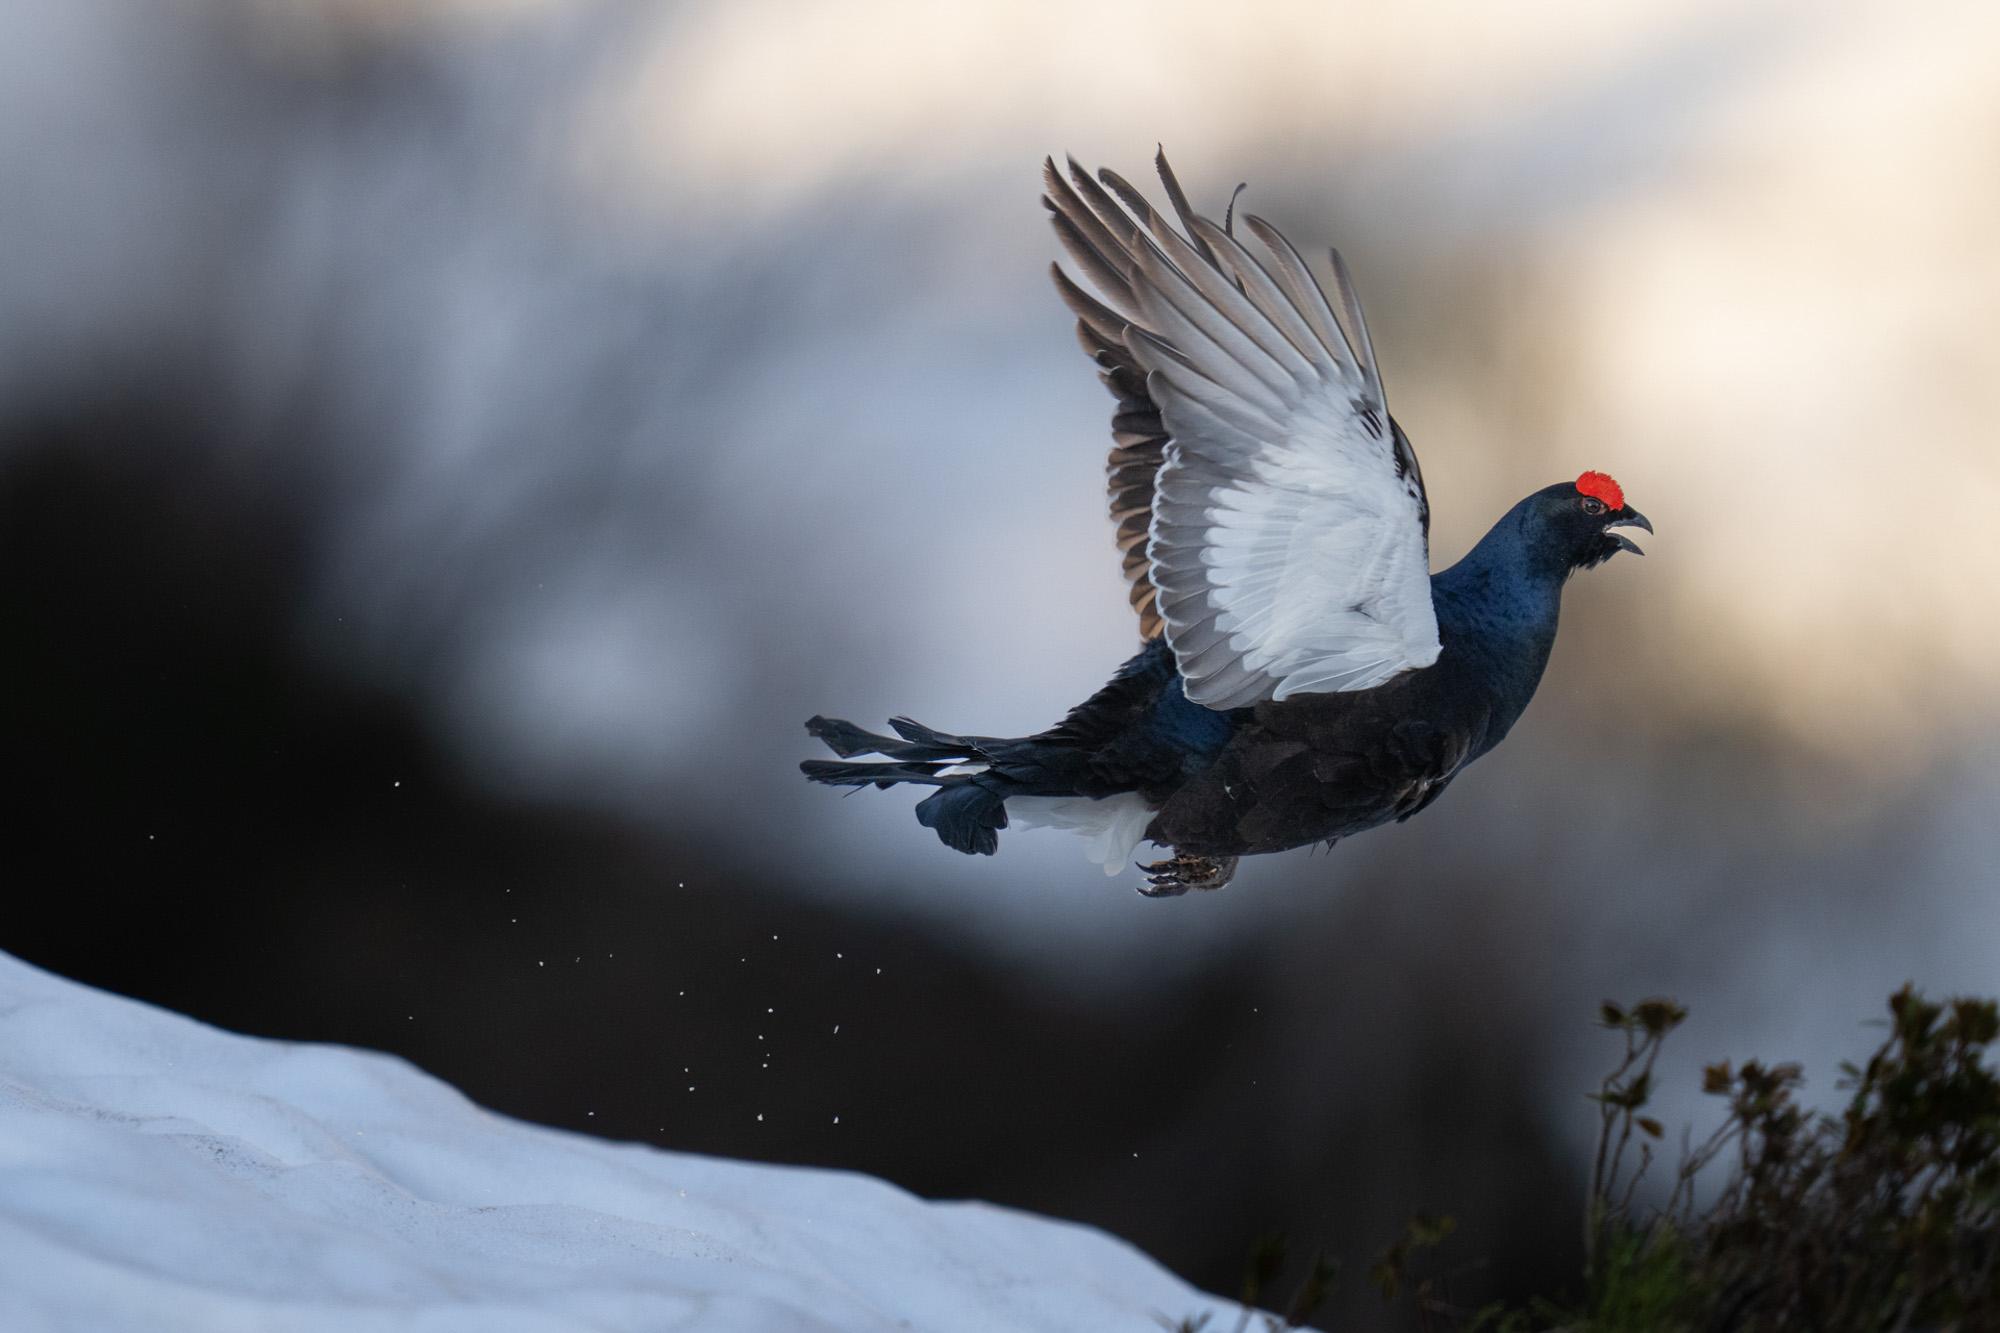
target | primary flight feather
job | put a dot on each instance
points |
(1304, 676)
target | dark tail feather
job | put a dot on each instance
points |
(920, 756)
(968, 816)
(968, 811)
(846, 740)
(972, 747)
(836, 773)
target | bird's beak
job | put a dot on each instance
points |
(1628, 517)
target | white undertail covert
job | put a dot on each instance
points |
(1114, 825)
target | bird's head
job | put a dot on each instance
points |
(1570, 523)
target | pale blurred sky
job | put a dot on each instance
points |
(1739, 255)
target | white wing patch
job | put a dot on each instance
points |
(1115, 825)
(1288, 541)
(1286, 568)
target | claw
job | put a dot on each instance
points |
(1181, 872)
(1162, 879)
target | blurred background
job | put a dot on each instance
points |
(447, 447)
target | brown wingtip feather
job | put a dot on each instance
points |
(1182, 209)
(1052, 180)
(1229, 213)
(1101, 320)
(1100, 268)
(1295, 276)
(1127, 195)
(1353, 324)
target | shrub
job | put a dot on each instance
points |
(1883, 1217)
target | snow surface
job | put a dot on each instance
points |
(157, 1174)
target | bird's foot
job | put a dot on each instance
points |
(1180, 872)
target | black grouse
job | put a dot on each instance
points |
(1304, 676)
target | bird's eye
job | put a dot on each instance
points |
(1592, 505)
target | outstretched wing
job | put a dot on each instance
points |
(1273, 516)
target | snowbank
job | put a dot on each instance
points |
(157, 1174)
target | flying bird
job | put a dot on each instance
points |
(1304, 676)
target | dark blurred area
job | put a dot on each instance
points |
(447, 449)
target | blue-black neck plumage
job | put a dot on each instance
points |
(1497, 611)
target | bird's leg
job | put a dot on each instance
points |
(1180, 872)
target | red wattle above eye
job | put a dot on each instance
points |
(1601, 487)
